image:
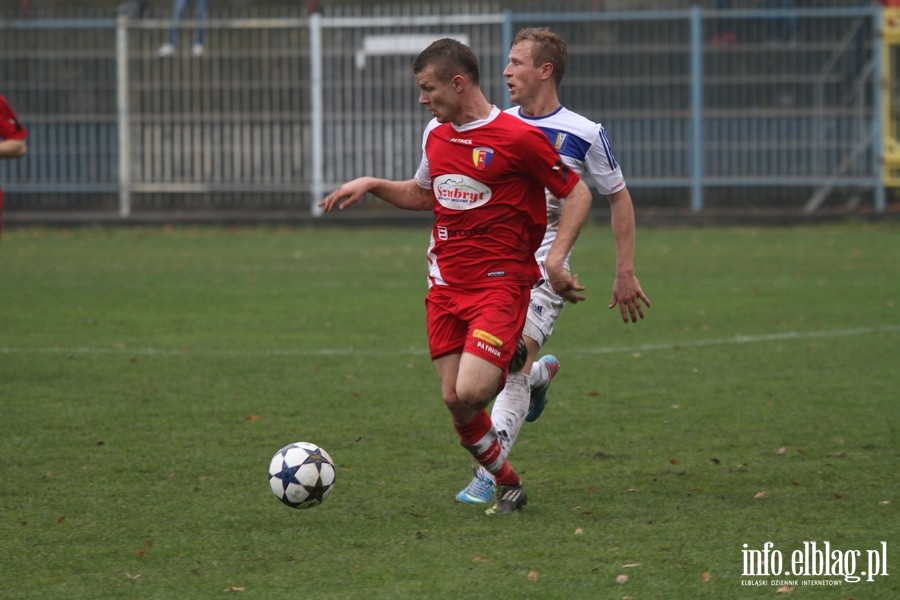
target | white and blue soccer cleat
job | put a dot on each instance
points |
(479, 491)
(539, 395)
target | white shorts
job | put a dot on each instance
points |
(543, 310)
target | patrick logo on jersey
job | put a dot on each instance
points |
(460, 192)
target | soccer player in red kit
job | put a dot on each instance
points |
(483, 174)
(12, 141)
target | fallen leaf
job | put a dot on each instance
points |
(884, 502)
(252, 418)
(620, 579)
(630, 565)
(785, 589)
(840, 454)
(130, 576)
(760, 495)
(838, 496)
(579, 531)
(62, 519)
(675, 461)
(781, 450)
(233, 588)
(706, 576)
(479, 559)
(631, 490)
(532, 576)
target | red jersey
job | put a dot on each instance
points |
(488, 179)
(10, 128)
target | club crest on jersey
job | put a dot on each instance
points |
(560, 140)
(481, 157)
(460, 192)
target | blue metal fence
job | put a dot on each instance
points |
(277, 111)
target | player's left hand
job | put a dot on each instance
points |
(628, 295)
(566, 285)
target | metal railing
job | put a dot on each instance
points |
(276, 111)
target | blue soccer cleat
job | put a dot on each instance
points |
(539, 395)
(479, 491)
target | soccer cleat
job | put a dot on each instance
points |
(479, 491)
(510, 499)
(539, 395)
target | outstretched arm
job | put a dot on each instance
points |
(13, 148)
(627, 292)
(402, 194)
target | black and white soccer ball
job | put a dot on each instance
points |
(301, 475)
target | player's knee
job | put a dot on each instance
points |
(476, 395)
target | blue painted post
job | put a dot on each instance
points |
(122, 119)
(696, 109)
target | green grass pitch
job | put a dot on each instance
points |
(147, 376)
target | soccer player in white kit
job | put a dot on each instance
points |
(537, 62)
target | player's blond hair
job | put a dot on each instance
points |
(547, 48)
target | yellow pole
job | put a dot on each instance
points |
(890, 105)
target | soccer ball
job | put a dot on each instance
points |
(301, 475)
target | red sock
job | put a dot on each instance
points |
(475, 430)
(480, 438)
(506, 475)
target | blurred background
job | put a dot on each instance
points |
(251, 111)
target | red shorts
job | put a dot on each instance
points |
(484, 322)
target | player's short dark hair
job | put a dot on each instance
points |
(548, 48)
(448, 57)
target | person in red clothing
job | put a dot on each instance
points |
(12, 140)
(483, 173)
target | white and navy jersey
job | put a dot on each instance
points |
(583, 146)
